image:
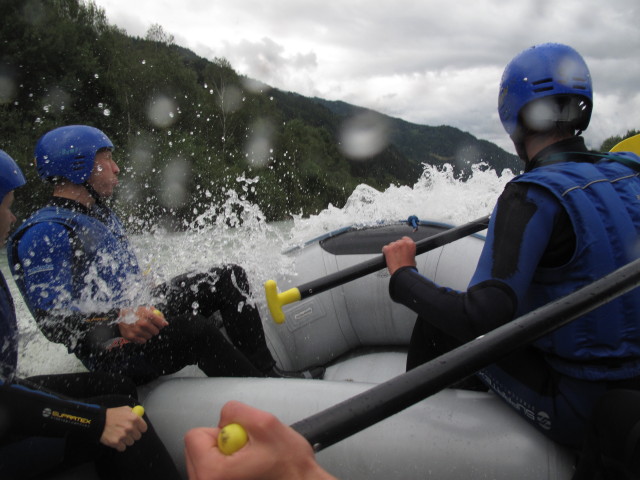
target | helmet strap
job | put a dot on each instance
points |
(518, 141)
(93, 193)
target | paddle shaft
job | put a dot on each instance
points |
(378, 263)
(361, 411)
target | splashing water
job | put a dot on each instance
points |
(437, 196)
(236, 232)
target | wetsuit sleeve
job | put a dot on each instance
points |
(46, 254)
(518, 236)
(28, 412)
(463, 315)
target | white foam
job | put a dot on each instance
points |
(235, 232)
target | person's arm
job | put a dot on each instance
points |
(122, 428)
(274, 451)
(463, 315)
(140, 324)
(26, 411)
(47, 253)
(519, 233)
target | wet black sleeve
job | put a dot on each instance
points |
(463, 315)
(79, 332)
(29, 412)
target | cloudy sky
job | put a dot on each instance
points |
(430, 62)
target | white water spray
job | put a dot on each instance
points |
(236, 232)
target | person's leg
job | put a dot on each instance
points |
(559, 406)
(612, 447)
(187, 340)
(224, 289)
(194, 339)
(427, 343)
(18, 459)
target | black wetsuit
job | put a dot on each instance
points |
(51, 423)
(530, 232)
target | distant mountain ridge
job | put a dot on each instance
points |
(188, 130)
(435, 145)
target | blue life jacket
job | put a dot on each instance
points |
(104, 248)
(8, 333)
(603, 202)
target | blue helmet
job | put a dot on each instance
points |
(550, 71)
(11, 176)
(69, 152)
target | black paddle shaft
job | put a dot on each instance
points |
(378, 263)
(361, 411)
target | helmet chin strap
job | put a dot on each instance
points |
(95, 195)
(518, 141)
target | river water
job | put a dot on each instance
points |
(258, 246)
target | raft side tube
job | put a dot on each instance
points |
(357, 314)
(453, 434)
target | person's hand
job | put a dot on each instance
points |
(141, 324)
(398, 254)
(274, 450)
(122, 428)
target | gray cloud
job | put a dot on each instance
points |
(434, 63)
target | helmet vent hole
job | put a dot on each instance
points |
(544, 80)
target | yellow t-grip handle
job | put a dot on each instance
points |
(232, 438)
(276, 300)
(138, 410)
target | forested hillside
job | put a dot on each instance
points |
(187, 129)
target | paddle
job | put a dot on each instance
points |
(631, 144)
(361, 411)
(353, 415)
(276, 300)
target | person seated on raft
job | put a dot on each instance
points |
(97, 425)
(80, 278)
(571, 218)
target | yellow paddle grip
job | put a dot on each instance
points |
(232, 438)
(276, 300)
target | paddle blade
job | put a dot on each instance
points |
(276, 300)
(631, 144)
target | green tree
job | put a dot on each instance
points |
(611, 142)
(187, 128)
(156, 33)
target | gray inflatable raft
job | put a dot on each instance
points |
(362, 336)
